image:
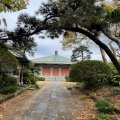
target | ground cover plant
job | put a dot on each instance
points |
(9, 89)
(102, 102)
(8, 84)
(41, 78)
(103, 106)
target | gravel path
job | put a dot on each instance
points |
(52, 102)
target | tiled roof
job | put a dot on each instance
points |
(53, 59)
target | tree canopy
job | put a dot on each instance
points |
(14, 47)
(90, 18)
(13, 5)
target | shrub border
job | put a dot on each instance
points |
(7, 97)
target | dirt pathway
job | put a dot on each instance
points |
(52, 102)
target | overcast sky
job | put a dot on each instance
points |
(47, 46)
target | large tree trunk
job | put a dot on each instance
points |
(112, 48)
(103, 55)
(107, 50)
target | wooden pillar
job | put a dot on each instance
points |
(19, 78)
(22, 68)
(59, 70)
(51, 70)
(41, 70)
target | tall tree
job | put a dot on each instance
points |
(72, 40)
(81, 53)
(6, 57)
(89, 18)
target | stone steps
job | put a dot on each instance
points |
(55, 78)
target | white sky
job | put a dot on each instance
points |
(47, 46)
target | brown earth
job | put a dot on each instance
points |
(85, 112)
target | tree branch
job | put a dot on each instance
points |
(111, 37)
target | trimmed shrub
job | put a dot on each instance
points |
(41, 78)
(9, 81)
(9, 89)
(91, 72)
(103, 106)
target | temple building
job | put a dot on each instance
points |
(53, 67)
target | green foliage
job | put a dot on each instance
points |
(115, 90)
(114, 80)
(28, 77)
(9, 89)
(103, 116)
(31, 65)
(41, 78)
(114, 16)
(67, 78)
(81, 53)
(91, 72)
(7, 81)
(10, 80)
(36, 86)
(86, 17)
(114, 77)
(111, 65)
(103, 106)
(1, 80)
(12, 5)
(95, 81)
(7, 58)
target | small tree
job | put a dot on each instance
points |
(81, 53)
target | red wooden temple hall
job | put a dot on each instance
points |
(54, 66)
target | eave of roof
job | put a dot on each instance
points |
(53, 62)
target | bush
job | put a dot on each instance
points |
(36, 86)
(41, 78)
(1, 81)
(9, 89)
(8, 81)
(103, 106)
(67, 78)
(91, 72)
(28, 77)
(114, 78)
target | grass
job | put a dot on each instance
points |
(103, 106)
(68, 84)
(85, 97)
(43, 82)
